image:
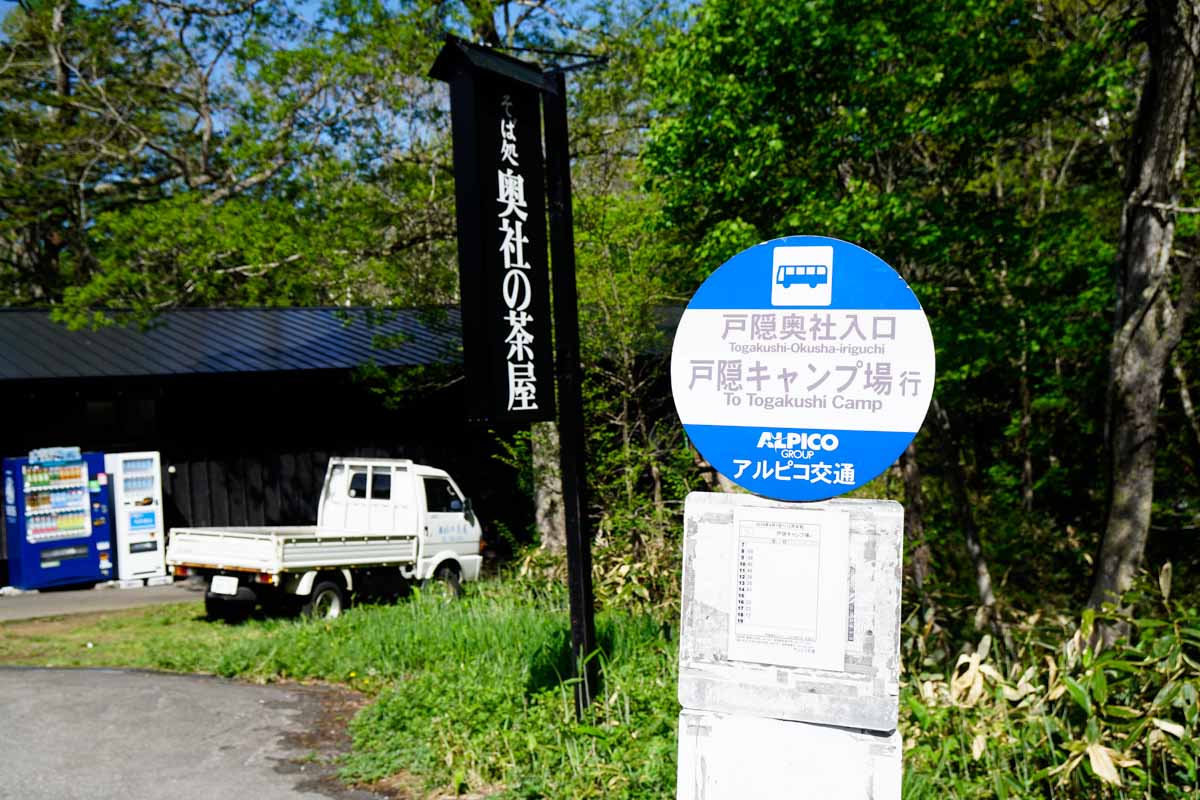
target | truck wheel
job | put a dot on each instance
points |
(445, 581)
(327, 601)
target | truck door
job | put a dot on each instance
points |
(379, 506)
(444, 523)
(404, 502)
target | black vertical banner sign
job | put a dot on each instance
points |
(500, 188)
(499, 184)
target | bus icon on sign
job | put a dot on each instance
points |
(802, 276)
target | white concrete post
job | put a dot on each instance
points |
(789, 656)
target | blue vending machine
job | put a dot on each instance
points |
(56, 518)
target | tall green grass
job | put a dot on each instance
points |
(1056, 718)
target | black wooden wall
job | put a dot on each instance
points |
(251, 449)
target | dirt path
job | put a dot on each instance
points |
(100, 734)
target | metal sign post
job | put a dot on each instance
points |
(501, 251)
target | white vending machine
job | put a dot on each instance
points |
(139, 537)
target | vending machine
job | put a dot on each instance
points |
(56, 518)
(137, 510)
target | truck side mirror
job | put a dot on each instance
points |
(469, 511)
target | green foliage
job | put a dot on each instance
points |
(640, 466)
(271, 157)
(975, 146)
(474, 715)
(477, 692)
(255, 155)
(108, 107)
(1062, 721)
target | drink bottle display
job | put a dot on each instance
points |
(56, 518)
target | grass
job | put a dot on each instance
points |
(468, 696)
(167, 637)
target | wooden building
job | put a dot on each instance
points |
(247, 405)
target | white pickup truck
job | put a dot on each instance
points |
(382, 524)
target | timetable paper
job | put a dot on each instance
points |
(790, 587)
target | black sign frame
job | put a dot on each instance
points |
(473, 72)
(504, 278)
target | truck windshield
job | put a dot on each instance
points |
(440, 496)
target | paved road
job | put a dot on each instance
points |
(101, 734)
(30, 605)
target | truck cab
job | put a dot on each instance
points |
(390, 496)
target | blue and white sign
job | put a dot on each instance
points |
(802, 368)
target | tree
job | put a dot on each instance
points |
(86, 127)
(243, 151)
(215, 153)
(1150, 316)
(960, 141)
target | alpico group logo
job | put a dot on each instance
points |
(797, 444)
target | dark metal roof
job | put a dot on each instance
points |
(207, 341)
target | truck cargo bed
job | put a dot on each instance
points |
(286, 549)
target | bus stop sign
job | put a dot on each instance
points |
(802, 368)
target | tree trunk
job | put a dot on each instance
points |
(714, 480)
(64, 114)
(914, 523)
(627, 472)
(1026, 428)
(483, 22)
(547, 487)
(1147, 324)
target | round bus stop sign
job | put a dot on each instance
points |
(802, 368)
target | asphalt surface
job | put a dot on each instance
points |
(100, 734)
(31, 605)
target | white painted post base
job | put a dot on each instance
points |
(789, 652)
(737, 757)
